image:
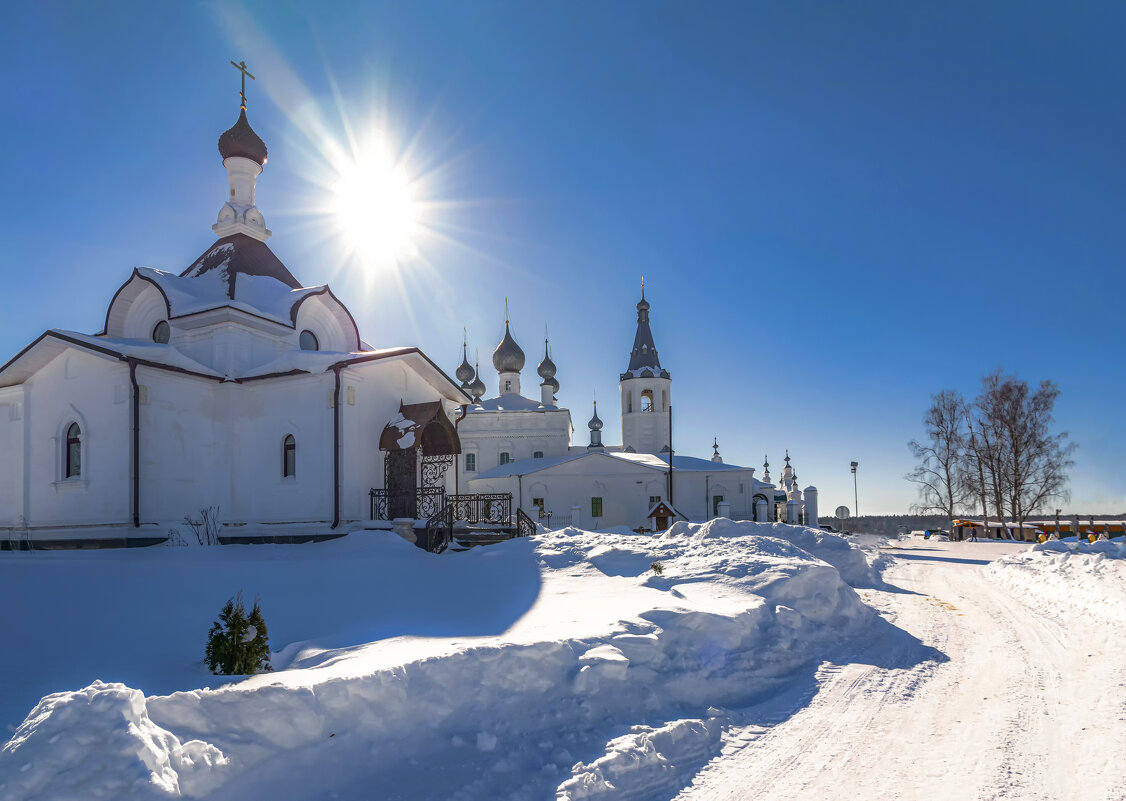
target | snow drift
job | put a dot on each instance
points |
(607, 681)
(1052, 577)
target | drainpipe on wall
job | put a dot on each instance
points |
(336, 368)
(136, 442)
(457, 457)
(670, 456)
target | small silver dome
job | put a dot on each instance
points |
(508, 357)
(551, 382)
(465, 372)
(477, 388)
(595, 423)
(547, 366)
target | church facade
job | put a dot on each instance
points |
(229, 386)
(516, 444)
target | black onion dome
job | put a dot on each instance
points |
(508, 357)
(553, 383)
(240, 140)
(547, 366)
(595, 423)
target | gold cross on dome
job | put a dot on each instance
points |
(241, 67)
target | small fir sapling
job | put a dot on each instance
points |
(657, 568)
(238, 644)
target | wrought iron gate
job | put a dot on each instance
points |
(400, 482)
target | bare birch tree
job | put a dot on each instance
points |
(940, 474)
(998, 452)
(1021, 465)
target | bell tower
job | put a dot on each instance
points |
(646, 391)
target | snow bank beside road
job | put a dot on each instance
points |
(603, 685)
(1051, 577)
(826, 546)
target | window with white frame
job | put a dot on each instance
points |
(470, 463)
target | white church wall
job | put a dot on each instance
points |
(261, 414)
(78, 386)
(695, 492)
(182, 447)
(11, 455)
(623, 487)
(520, 434)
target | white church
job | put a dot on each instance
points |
(518, 445)
(231, 387)
(227, 386)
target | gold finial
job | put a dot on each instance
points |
(241, 67)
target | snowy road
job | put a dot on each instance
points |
(990, 701)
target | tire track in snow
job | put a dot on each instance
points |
(1003, 718)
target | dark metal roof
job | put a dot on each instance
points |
(240, 140)
(644, 353)
(433, 432)
(239, 253)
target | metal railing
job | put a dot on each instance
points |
(525, 526)
(439, 531)
(557, 520)
(422, 503)
(489, 508)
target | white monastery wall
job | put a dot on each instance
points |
(520, 434)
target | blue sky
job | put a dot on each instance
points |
(839, 210)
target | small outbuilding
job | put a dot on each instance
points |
(662, 515)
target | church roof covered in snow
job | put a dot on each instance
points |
(239, 254)
(687, 464)
(511, 402)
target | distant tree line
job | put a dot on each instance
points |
(996, 455)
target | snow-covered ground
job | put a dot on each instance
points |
(719, 660)
(553, 665)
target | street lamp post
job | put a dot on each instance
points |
(855, 502)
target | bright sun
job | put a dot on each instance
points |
(375, 209)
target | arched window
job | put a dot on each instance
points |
(73, 451)
(161, 333)
(647, 400)
(629, 403)
(309, 340)
(289, 457)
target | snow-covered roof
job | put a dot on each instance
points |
(523, 467)
(36, 355)
(687, 464)
(512, 402)
(259, 295)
